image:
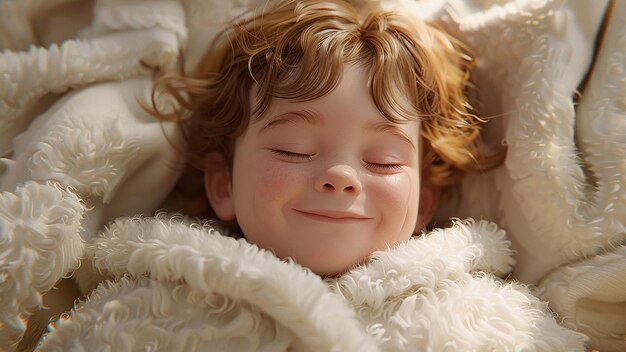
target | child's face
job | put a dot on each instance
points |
(327, 181)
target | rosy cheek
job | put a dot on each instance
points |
(276, 178)
(395, 191)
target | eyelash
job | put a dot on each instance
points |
(386, 167)
(285, 153)
(308, 157)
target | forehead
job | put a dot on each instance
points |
(349, 106)
(354, 80)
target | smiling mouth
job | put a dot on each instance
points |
(333, 216)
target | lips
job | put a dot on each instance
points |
(333, 216)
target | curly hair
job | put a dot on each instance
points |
(296, 49)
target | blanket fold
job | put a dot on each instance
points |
(590, 297)
(76, 152)
(40, 225)
(209, 291)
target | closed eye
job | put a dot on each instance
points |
(383, 167)
(292, 155)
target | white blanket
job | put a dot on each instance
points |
(69, 119)
(181, 287)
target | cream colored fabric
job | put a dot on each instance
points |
(99, 142)
(92, 157)
(560, 194)
(590, 297)
(184, 287)
(590, 293)
(39, 244)
(73, 136)
(112, 48)
(546, 199)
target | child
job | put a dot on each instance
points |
(327, 130)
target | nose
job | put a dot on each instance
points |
(339, 178)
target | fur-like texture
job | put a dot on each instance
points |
(560, 195)
(39, 225)
(590, 297)
(112, 49)
(123, 16)
(170, 250)
(183, 286)
(89, 158)
(561, 110)
(562, 187)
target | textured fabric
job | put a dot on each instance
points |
(39, 225)
(184, 287)
(112, 49)
(79, 153)
(561, 192)
(92, 157)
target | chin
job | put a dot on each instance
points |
(321, 267)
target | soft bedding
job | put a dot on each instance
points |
(82, 160)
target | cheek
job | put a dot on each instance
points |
(397, 192)
(277, 181)
(266, 184)
(397, 199)
(263, 194)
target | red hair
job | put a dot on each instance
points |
(296, 50)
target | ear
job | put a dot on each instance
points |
(217, 186)
(429, 199)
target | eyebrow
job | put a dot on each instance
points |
(393, 129)
(307, 116)
(313, 118)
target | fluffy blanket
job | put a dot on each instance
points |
(80, 153)
(184, 287)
